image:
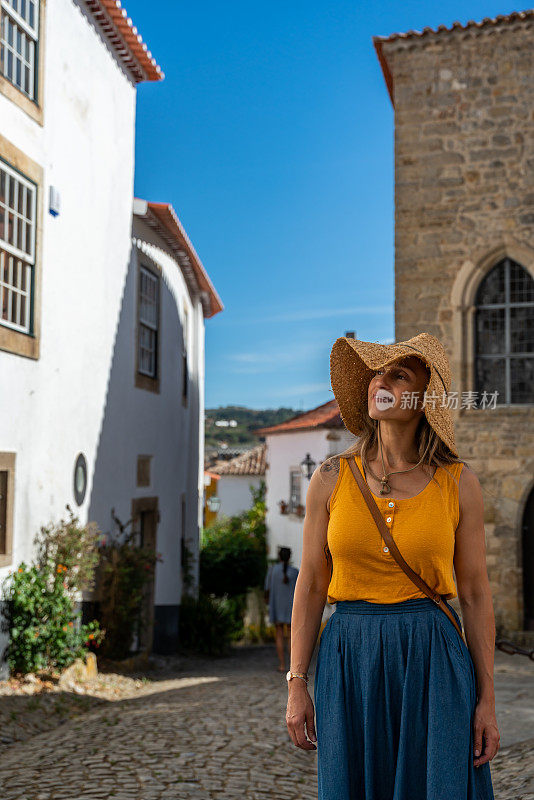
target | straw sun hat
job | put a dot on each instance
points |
(353, 364)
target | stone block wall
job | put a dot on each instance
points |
(464, 199)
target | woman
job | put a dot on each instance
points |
(405, 710)
(279, 590)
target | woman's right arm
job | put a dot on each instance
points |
(309, 601)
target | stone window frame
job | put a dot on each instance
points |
(33, 107)
(13, 341)
(144, 469)
(462, 301)
(7, 464)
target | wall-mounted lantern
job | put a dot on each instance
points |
(307, 465)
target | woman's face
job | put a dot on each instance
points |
(386, 388)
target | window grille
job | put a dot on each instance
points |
(19, 36)
(148, 322)
(504, 334)
(17, 248)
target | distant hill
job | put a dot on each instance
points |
(247, 420)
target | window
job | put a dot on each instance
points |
(7, 485)
(148, 323)
(19, 34)
(17, 248)
(185, 367)
(294, 490)
(504, 334)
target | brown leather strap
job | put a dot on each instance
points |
(394, 550)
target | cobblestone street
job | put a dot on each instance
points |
(212, 730)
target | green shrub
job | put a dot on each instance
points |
(125, 571)
(44, 630)
(233, 557)
(206, 625)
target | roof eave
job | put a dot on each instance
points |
(429, 34)
(388, 77)
(162, 218)
(305, 428)
(124, 39)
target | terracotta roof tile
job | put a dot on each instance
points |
(487, 24)
(211, 474)
(324, 416)
(250, 463)
(125, 40)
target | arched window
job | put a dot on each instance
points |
(504, 334)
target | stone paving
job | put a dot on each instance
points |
(214, 729)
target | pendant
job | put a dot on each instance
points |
(386, 488)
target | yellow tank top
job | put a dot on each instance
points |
(423, 528)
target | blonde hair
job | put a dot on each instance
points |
(427, 442)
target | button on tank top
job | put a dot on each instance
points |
(422, 526)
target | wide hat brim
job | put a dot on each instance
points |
(353, 363)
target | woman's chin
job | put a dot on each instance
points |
(379, 413)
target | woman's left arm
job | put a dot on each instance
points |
(474, 595)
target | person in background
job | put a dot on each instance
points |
(279, 590)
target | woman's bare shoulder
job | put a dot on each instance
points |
(329, 470)
(470, 490)
(323, 481)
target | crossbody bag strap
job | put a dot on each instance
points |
(394, 550)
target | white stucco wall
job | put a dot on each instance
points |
(54, 407)
(235, 494)
(141, 422)
(284, 452)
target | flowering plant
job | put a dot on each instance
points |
(44, 630)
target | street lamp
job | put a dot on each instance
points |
(307, 466)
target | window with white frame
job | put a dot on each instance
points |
(19, 36)
(17, 248)
(294, 490)
(148, 322)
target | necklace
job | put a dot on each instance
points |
(385, 486)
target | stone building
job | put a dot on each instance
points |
(464, 258)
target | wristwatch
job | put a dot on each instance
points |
(290, 675)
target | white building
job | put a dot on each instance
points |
(98, 322)
(236, 476)
(317, 433)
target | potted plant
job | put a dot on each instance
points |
(284, 507)
(301, 510)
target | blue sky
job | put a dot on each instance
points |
(272, 136)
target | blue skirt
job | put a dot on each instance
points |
(395, 693)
